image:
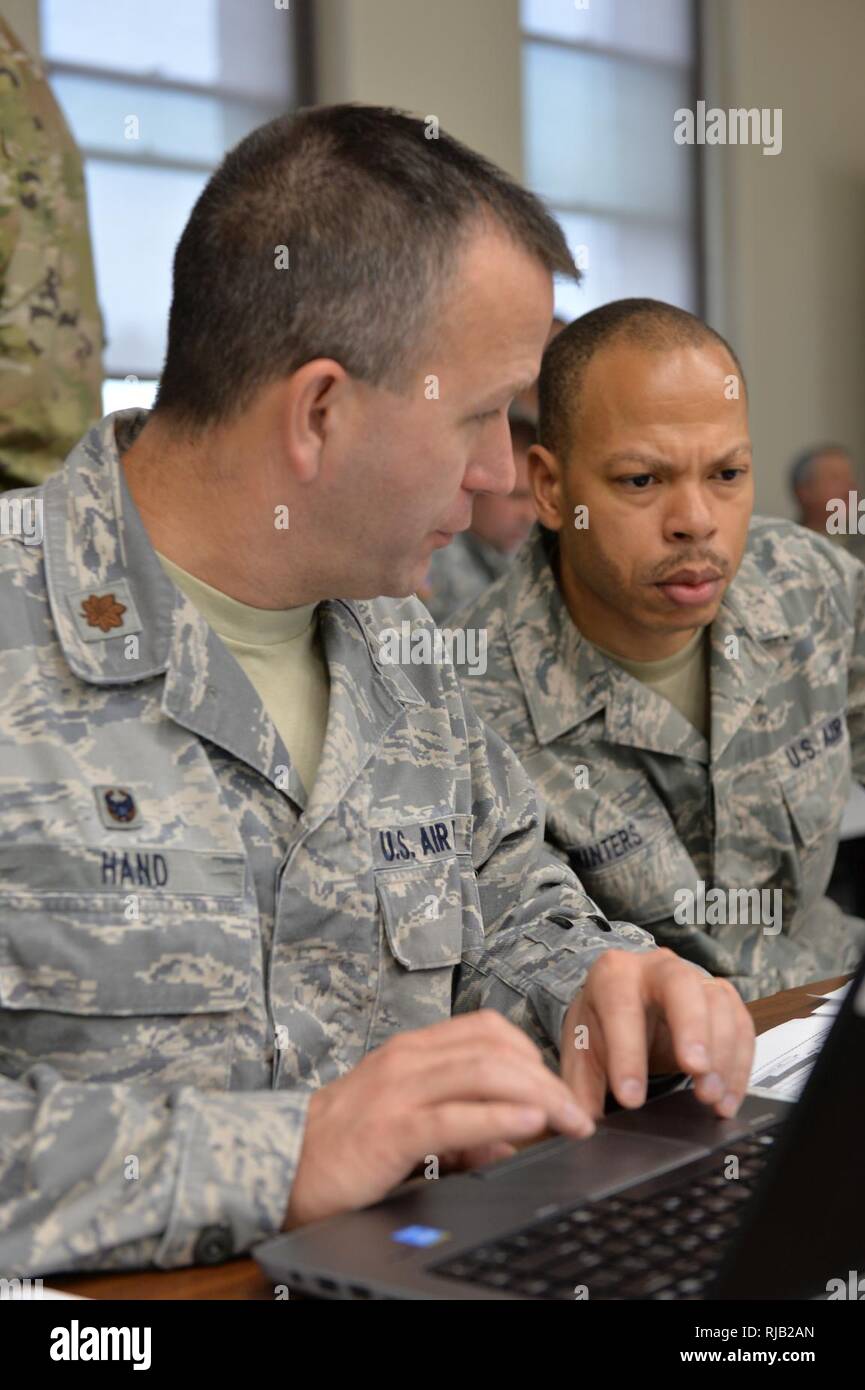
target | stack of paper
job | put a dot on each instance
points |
(784, 1056)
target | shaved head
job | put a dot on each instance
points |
(644, 323)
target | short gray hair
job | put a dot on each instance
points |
(371, 207)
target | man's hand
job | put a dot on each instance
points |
(469, 1086)
(642, 1014)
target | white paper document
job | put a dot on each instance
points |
(784, 1056)
(831, 1002)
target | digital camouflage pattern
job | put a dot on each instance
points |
(459, 573)
(188, 945)
(660, 812)
(50, 325)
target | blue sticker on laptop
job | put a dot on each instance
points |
(421, 1237)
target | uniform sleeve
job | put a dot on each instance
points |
(539, 931)
(10, 214)
(854, 594)
(120, 1176)
(51, 331)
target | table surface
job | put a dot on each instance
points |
(242, 1279)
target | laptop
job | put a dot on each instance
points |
(666, 1202)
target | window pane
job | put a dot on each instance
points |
(652, 28)
(133, 120)
(122, 394)
(599, 131)
(136, 217)
(621, 260)
(242, 44)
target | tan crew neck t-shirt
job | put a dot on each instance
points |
(280, 653)
(683, 679)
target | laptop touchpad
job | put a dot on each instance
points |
(570, 1169)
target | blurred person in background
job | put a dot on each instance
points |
(51, 332)
(820, 476)
(500, 524)
(478, 557)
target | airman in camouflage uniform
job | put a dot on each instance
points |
(642, 805)
(476, 558)
(182, 961)
(225, 1006)
(50, 325)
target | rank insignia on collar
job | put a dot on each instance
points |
(118, 809)
(103, 611)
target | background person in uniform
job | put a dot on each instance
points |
(500, 523)
(232, 945)
(687, 692)
(479, 556)
(820, 476)
(50, 325)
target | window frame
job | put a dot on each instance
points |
(301, 93)
(695, 68)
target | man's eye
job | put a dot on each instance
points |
(639, 481)
(488, 414)
(729, 475)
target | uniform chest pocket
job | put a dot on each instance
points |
(127, 978)
(634, 869)
(814, 775)
(422, 911)
(421, 908)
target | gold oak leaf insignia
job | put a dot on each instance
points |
(103, 611)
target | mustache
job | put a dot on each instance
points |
(708, 559)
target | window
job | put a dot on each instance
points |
(601, 81)
(155, 94)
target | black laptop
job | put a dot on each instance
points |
(666, 1202)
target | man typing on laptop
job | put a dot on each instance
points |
(248, 871)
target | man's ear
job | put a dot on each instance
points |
(314, 399)
(545, 480)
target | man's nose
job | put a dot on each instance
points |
(689, 515)
(492, 468)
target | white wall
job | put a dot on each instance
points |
(786, 233)
(458, 60)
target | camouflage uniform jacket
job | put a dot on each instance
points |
(50, 325)
(189, 946)
(643, 806)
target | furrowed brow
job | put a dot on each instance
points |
(664, 465)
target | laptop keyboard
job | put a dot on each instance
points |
(668, 1245)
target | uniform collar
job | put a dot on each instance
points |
(566, 680)
(103, 578)
(751, 602)
(744, 661)
(106, 587)
(562, 682)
